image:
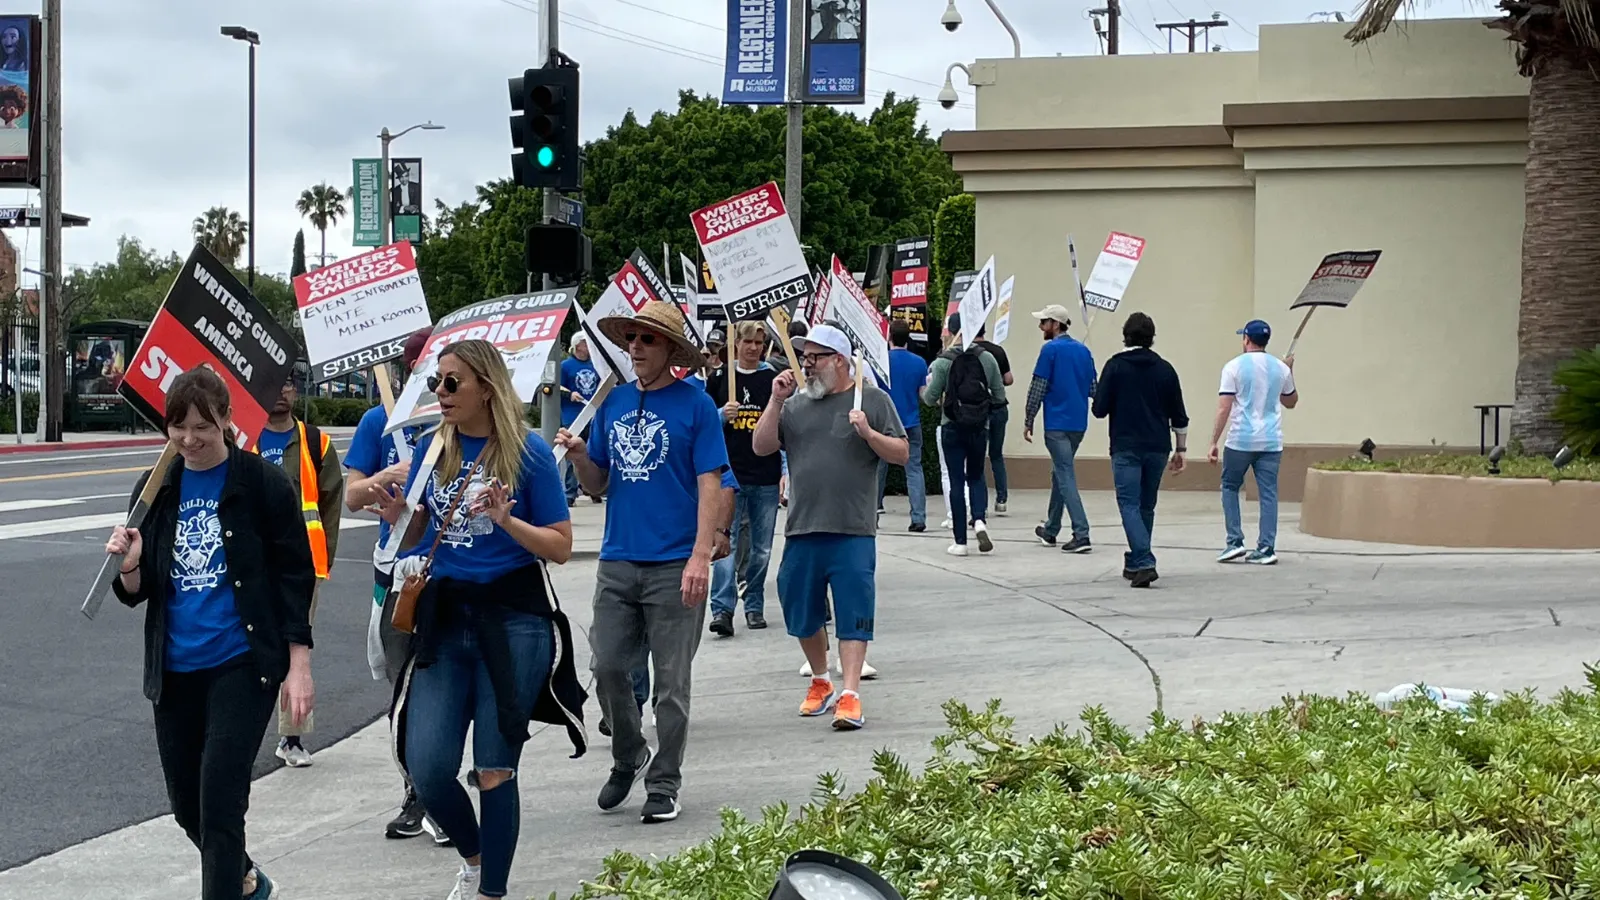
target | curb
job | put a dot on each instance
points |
(45, 449)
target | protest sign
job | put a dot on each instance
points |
(209, 318)
(1002, 316)
(523, 327)
(908, 285)
(750, 247)
(1077, 283)
(977, 303)
(358, 312)
(859, 319)
(817, 309)
(1335, 283)
(1108, 281)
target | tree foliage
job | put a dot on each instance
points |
(1578, 407)
(222, 232)
(297, 257)
(954, 248)
(324, 205)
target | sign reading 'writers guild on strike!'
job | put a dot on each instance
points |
(210, 319)
(359, 311)
(750, 245)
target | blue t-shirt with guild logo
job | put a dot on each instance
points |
(372, 451)
(474, 548)
(576, 375)
(203, 625)
(655, 445)
(271, 445)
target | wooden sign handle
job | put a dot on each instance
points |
(112, 566)
(586, 415)
(861, 371)
(382, 374)
(732, 367)
(780, 320)
(1299, 331)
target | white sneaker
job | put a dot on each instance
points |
(805, 669)
(466, 883)
(297, 756)
(1000, 509)
(947, 524)
(982, 531)
(868, 673)
(956, 549)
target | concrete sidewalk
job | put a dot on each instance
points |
(1047, 632)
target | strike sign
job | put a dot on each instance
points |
(358, 312)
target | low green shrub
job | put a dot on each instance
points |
(1317, 798)
(1578, 407)
(1580, 469)
(8, 413)
(335, 412)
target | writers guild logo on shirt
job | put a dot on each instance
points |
(273, 455)
(463, 526)
(196, 565)
(639, 443)
(747, 397)
(587, 380)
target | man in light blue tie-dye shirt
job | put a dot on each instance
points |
(1256, 388)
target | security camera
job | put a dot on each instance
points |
(948, 96)
(951, 20)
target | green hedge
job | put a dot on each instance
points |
(954, 249)
(8, 414)
(896, 484)
(1513, 466)
(1316, 798)
(1578, 407)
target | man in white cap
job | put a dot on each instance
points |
(579, 381)
(1063, 382)
(831, 532)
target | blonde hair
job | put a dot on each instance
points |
(502, 455)
(748, 330)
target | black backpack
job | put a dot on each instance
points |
(966, 396)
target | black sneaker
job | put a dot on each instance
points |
(722, 624)
(659, 808)
(1127, 573)
(1049, 540)
(409, 823)
(755, 621)
(620, 784)
(1144, 578)
(1077, 545)
(918, 527)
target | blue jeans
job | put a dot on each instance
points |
(1265, 463)
(963, 455)
(998, 417)
(571, 481)
(916, 479)
(1063, 447)
(446, 697)
(757, 505)
(1138, 479)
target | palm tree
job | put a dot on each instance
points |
(222, 232)
(1558, 48)
(324, 205)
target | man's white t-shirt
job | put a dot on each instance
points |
(1256, 381)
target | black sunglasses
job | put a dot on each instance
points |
(449, 382)
(646, 338)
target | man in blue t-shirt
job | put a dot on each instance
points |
(658, 454)
(1063, 382)
(907, 374)
(579, 381)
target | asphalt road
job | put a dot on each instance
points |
(77, 748)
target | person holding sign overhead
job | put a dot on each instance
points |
(579, 381)
(1256, 388)
(228, 576)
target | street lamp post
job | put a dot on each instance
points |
(952, 20)
(239, 33)
(385, 218)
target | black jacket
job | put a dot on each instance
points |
(1140, 392)
(269, 560)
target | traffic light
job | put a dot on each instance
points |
(545, 127)
(559, 250)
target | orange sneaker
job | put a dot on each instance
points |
(819, 698)
(847, 713)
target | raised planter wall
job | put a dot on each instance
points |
(1452, 511)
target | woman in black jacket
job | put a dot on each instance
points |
(229, 577)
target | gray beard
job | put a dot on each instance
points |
(816, 387)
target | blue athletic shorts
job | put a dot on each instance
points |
(813, 563)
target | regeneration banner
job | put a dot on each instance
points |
(749, 245)
(366, 194)
(523, 327)
(1108, 281)
(757, 63)
(976, 304)
(835, 52)
(850, 309)
(358, 312)
(209, 319)
(1337, 278)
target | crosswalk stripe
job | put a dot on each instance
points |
(107, 521)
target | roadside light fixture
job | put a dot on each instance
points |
(820, 875)
(1562, 457)
(1367, 448)
(1495, 455)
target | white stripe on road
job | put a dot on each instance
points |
(106, 521)
(24, 505)
(54, 456)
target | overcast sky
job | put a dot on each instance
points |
(155, 98)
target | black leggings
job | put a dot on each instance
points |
(209, 726)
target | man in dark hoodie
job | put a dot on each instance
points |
(1140, 392)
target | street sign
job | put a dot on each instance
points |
(571, 212)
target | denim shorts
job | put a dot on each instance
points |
(813, 563)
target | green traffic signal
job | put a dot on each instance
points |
(546, 157)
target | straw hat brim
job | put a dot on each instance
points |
(684, 354)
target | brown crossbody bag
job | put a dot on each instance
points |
(405, 606)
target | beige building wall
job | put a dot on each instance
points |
(1242, 170)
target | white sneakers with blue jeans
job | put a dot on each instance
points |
(1234, 464)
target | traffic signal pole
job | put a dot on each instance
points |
(794, 143)
(549, 41)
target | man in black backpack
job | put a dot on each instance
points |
(966, 386)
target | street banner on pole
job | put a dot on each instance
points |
(836, 52)
(210, 319)
(749, 244)
(1002, 316)
(908, 285)
(405, 199)
(977, 303)
(757, 61)
(366, 195)
(1108, 281)
(358, 312)
(523, 327)
(1337, 278)
(859, 319)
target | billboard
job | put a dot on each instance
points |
(835, 52)
(365, 194)
(405, 199)
(756, 66)
(20, 98)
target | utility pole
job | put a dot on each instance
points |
(1192, 29)
(549, 43)
(794, 143)
(52, 368)
(1113, 27)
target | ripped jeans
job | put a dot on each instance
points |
(445, 698)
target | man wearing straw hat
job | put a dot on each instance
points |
(834, 444)
(658, 455)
